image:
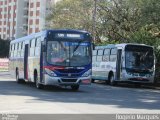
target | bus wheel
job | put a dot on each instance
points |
(75, 87)
(38, 85)
(111, 80)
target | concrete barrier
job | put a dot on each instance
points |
(4, 64)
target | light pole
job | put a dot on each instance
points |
(94, 21)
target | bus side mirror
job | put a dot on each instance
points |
(43, 47)
(93, 46)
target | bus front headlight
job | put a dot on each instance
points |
(50, 72)
(86, 74)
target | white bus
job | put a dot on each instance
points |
(124, 63)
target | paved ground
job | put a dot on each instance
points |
(97, 98)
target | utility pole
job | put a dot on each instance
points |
(94, 21)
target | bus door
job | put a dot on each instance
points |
(118, 64)
(42, 52)
(26, 62)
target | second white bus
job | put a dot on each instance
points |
(124, 63)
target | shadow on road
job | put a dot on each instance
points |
(130, 85)
(95, 94)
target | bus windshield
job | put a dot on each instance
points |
(139, 58)
(64, 53)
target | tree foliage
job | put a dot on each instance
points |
(119, 18)
(116, 20)
(72, 14)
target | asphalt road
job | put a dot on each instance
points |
(97, 98)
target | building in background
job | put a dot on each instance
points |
(38, 10)
(22, 17)
(7, 18)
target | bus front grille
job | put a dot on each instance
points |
(69, 80)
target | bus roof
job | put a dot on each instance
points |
(119, 45)
(68, 30)
(45, 32)
(31, 36)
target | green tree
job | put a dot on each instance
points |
(119, 18)
(150, 10)
(72, 14)
(149, 31)
(117, 21)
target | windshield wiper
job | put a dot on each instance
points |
(79, 43)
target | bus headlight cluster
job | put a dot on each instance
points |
(86, 74)
(148, 75)
(50, 72)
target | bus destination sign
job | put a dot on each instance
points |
(62, 35)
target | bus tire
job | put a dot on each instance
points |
(38, 85)
(75, 87)
(111, 80)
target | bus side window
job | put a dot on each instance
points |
(15, 51)
(94, 57)
(99, 56)
(37, 46)
(22, 49)
(12, 50)
(29, 53)
(113, 55)
(19, 49)
(32, 47)
(106, 55)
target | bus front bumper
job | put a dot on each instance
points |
(48, 80)
(138, 79)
